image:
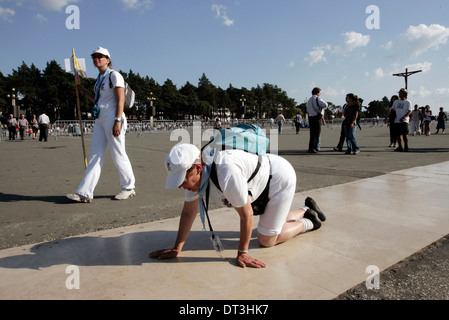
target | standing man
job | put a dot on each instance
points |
(44, 122)
(280, 120)
(315, 107)
(403, 109)
(23, 126)
(298, 122)
(12, 124)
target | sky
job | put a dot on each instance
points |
(344, 46)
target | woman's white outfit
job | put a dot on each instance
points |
(102, 138)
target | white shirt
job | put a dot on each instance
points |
(415, 114)
(108, 99)
(402, 107)
(280, 118)
(313, 109)
(234, 168)
(44, 119)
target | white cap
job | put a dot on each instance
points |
(102, 51)
(180, 159)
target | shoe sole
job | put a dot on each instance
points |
(314, 206)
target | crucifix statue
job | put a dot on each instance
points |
(406, 74)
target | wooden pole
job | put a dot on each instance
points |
(79, 110)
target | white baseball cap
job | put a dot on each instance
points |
(180, 159)
(102, 51)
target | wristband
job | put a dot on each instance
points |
(118, 119)
(243, 251)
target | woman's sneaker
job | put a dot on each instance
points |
(78, 198)
(125, 194)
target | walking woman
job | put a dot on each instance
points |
(391, 115)
(109, 130)
(427, 120)
(351, 113)
(442, 117)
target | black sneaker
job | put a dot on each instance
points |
(399, 149)
(313, 205)
(313, 216)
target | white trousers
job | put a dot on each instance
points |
(415, 126)
(102, 138)
(282, 193)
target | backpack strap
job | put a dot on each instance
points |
(318, 105)
(214, 177)
(110, 81)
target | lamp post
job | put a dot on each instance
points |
(15, 108)
(243, 100)
(152, 109)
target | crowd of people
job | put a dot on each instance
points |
(400, 120)
(421, 119)
(21, 127)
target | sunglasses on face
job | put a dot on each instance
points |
(98, 56)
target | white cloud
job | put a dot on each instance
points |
(423, 38)
(40, 17)
(422, 93)
(378, 73)
(137, 4)
(56, 5)
(442, 91)
(334, 93)
(388, 45)
(221, 13)
(6, 14)
(315, 56)
(424, 66)
(291, 64)
(353, 40)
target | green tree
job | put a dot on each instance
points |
(190, 101)
(4, 100)
(57, 92)
(207, 93)
(377, 108)
(171, 100)
(27, 81)
(53, 89)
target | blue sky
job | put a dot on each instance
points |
(290, 43)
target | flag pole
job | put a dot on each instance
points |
(79, 109)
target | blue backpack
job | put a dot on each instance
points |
(247, 137)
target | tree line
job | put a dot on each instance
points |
(52, 90)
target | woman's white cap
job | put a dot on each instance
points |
(180, 159)
(102, 51)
